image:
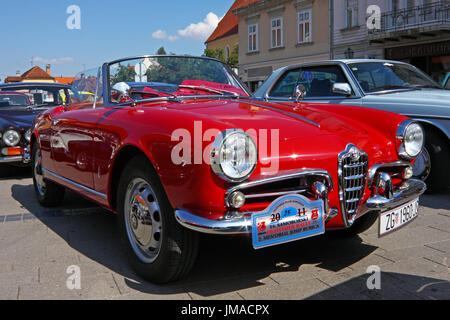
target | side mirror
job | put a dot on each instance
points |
(300, 92)
(120, 91)
(342, 88)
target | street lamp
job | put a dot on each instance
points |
(349, 53)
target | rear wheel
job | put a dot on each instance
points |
(158, 248)
(48, 193)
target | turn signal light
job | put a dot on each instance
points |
(15, 151)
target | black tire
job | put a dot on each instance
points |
(53, 194)
(178, 246)
(438, 148)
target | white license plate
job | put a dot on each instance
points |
(398, 217)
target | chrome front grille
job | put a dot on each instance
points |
(353, 167)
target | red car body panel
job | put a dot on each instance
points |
(83, 143)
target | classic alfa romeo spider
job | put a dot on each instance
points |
(177, 146)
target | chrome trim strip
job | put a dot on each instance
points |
(11, 159)
(74, 183)
(272, 194)
(293, 175)
(373, 170)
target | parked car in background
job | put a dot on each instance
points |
(20, 103)
(199, 154)
(381, 84)
(446, 81)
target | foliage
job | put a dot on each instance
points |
(218, 53)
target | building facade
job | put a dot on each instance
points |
(225, 36)
(413, 31)
(276, 33)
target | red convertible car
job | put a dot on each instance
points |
(176, 146)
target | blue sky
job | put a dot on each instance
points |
(110, 29)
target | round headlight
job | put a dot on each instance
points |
(11, 138)
(411, 135)
(233, 155)
(28, 135)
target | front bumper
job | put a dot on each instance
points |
(22, 158)
(410, 190)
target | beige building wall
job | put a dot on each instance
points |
(257, 66)
(222, 43)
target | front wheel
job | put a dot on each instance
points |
(48, 193)
(439, 157)
(158, 248)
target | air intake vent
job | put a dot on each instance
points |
(353, 166)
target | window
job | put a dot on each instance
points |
(305, 26)
(351, 13)
(318, 82)
(277, 33)
(285, 86)
(252, 38)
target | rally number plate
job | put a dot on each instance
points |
(288, 218)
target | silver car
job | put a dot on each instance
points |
(382, 84)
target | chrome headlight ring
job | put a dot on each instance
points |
(28, 135)
(233, 155)
(410, 138)
(11, 138)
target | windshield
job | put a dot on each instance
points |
(36, 95)
(13, 100)
(381, 76)
(173, 77)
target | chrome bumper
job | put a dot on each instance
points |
(410, 190)
(243, 225)
(11, 159)
(24, 158)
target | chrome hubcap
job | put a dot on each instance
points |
(422, 165)
(143, 220)
(38, 176)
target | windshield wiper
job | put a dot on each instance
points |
(157, 94)
(207, 89)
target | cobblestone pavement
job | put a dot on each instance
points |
(37, 246)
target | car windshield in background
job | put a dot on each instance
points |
(172, 76)
(381, 76)
(39, 96)
(13, 100)
(84, 86)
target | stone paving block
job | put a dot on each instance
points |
(407, 237)
(295, 290)
(227, 288)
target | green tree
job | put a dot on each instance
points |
(161, 51)
(218, 53)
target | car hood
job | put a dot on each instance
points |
(307, 130)
(17, 118)
(427, 102)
